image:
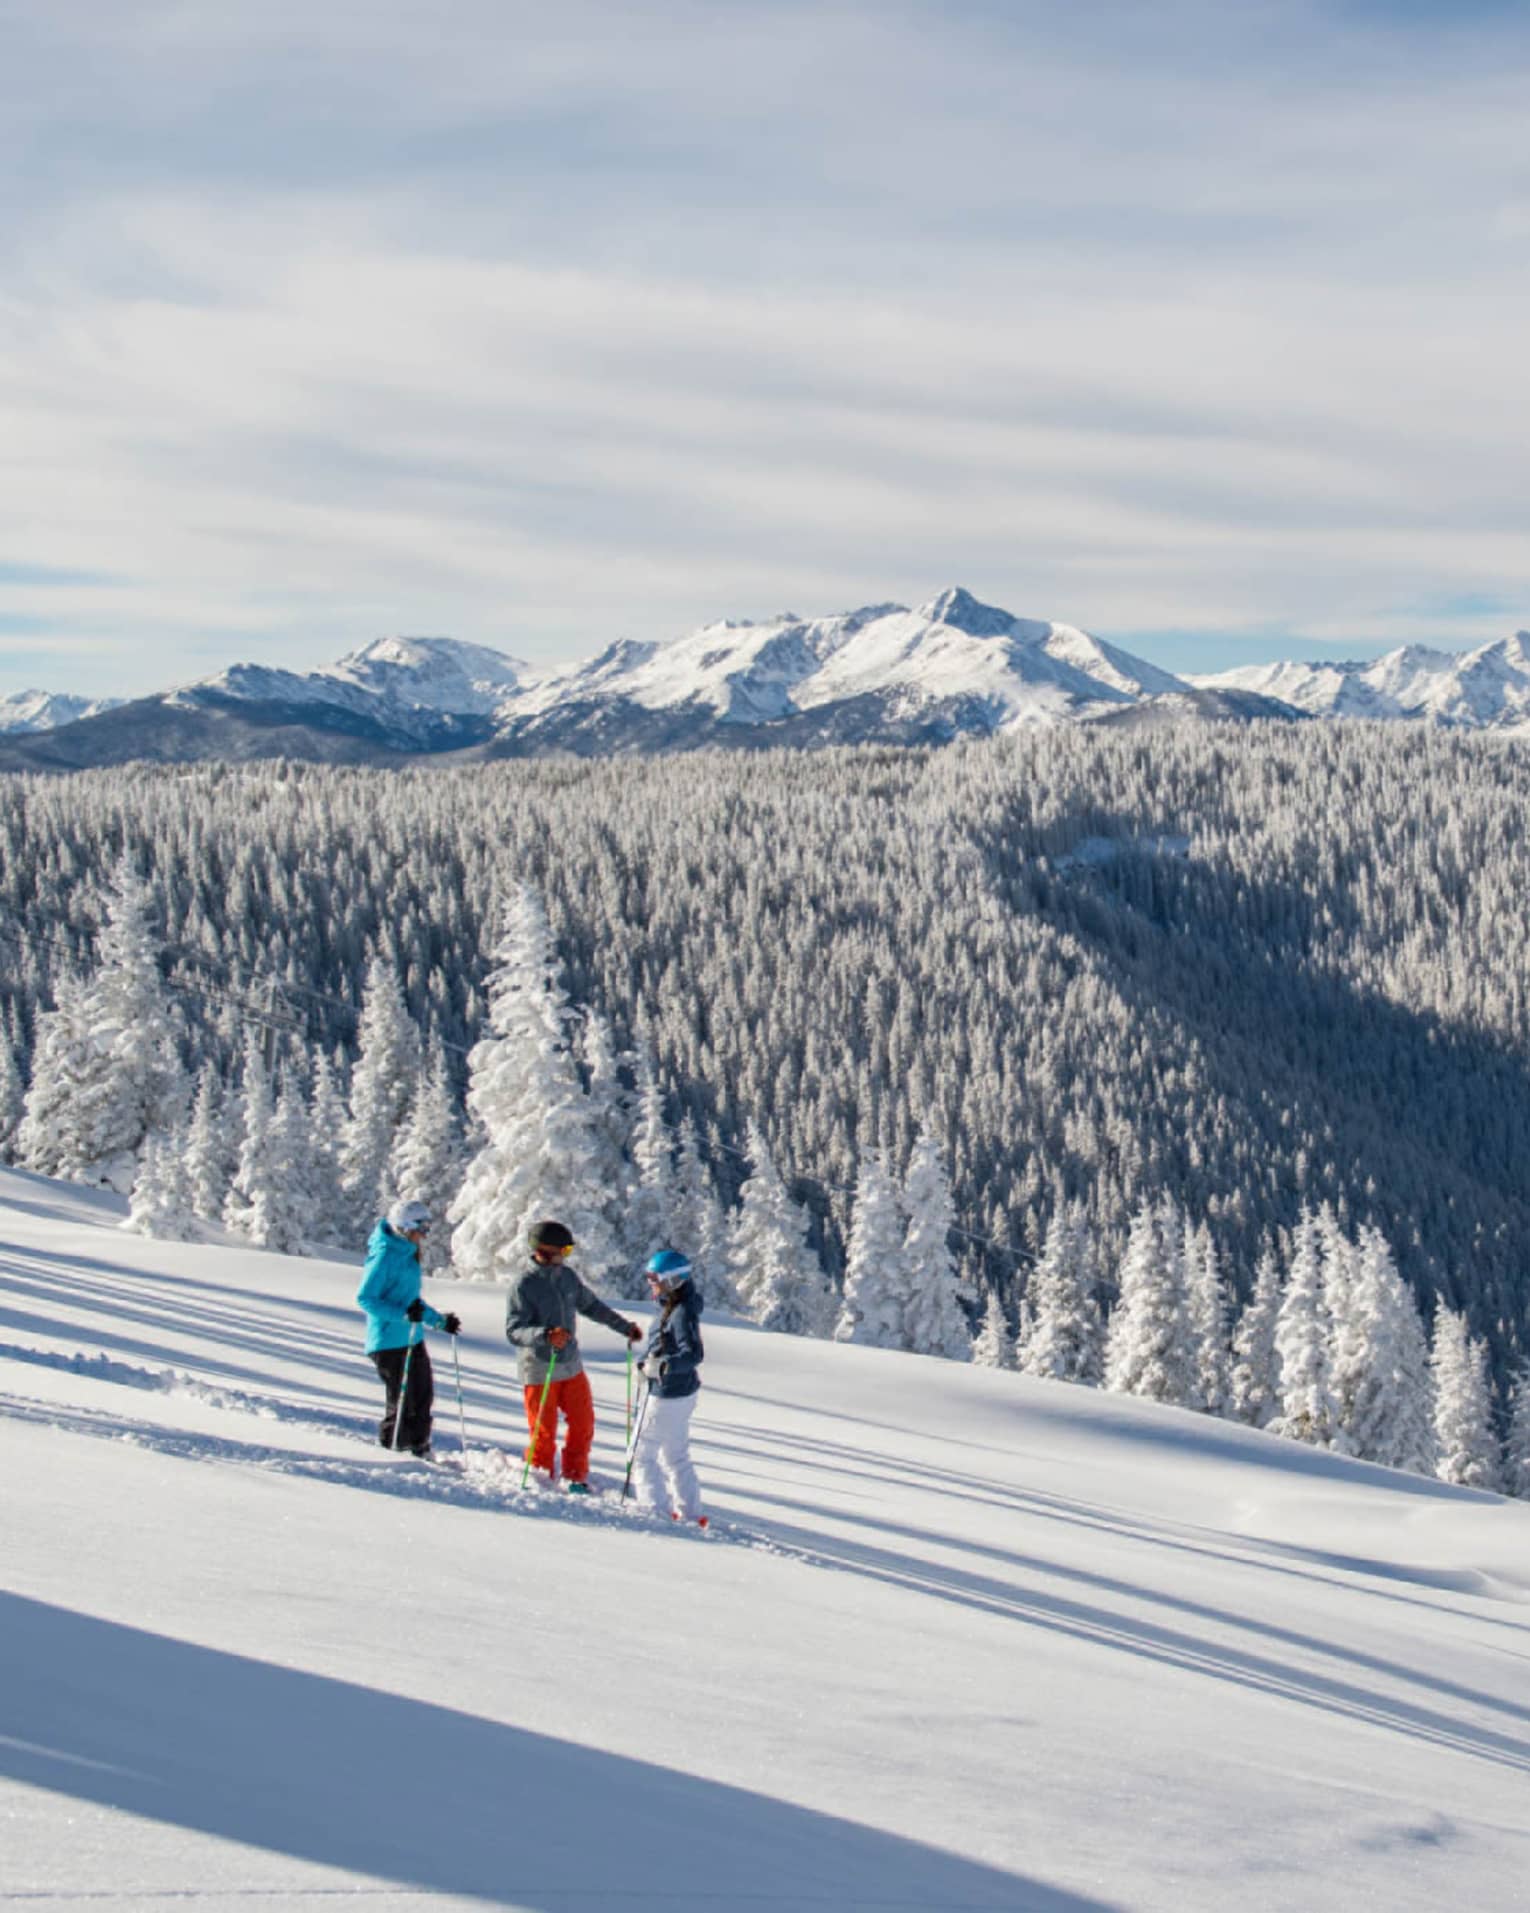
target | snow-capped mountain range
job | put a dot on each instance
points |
(28, 711)
(1485, 689)
(884, 673)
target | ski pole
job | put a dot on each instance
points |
(536, 1433)
(637, 1434)
(403, 1389)
(461, 1417)
(629, 1394)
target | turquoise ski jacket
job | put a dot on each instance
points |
(389, 1283)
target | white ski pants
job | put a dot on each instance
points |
(663, 1455)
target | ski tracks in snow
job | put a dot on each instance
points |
(483, 1478)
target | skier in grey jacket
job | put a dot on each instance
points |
(541, 1321)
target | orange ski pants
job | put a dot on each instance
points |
(571, 1399)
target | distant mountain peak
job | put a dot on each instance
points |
(957, 607)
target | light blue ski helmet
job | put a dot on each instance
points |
(669, 1268)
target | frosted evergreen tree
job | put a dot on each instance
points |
(1517, 1448)
(256, 1111)
(770, 1266)
(1466, 1447)
(328, 1121)
(994, 1346)
(1308, 1411)
(1064, 1336)
(543, 1156)
(206, 1160)
(871, 1311)
(1207, 1296)
(1150, 1343)
(113, 1076)
(1376, 1375)
(13, 1097)
(50, 1137)
(933, 1320)
(653, 1205)
(382, 1086)
(428, 1160)
(1255, 1380)
(160, 1202)
(1413, 1430)
(700, 1226)
(283, 1216)
(609, 1102)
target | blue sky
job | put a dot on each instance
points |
(1198, 325)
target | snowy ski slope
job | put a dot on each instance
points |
(956, 1640)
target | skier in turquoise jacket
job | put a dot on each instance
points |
(396, 1313)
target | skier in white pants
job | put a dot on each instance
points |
(662, 1470)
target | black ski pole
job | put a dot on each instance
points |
(403, 1390)
(637, 1434)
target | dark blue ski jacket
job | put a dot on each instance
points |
(674, 1352)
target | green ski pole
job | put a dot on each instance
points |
(536, 1433)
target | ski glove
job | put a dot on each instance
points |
(557, 1338)
(415, 1311)
(634, 1333)
(452, 1324)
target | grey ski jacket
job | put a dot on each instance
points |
(554, 1296)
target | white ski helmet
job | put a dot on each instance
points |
(405, 1217)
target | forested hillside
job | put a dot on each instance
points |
(1254, 968)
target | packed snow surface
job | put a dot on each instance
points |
(955, 1639)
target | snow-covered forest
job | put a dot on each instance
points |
(1196, 1058)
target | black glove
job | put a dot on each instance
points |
(453, 1324)
(634, 1333)
(415, 1311)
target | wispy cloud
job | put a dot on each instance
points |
(319, 321)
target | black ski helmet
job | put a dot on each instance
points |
(550, 1235)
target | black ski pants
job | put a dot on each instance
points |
(419, 1393)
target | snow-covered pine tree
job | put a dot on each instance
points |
(651, 1209)
(1376, 1373)
(1064, 1336)
(280, 1215)
(1255, 1380)
(994, 1346)
(50, 1137)
(328, 1121)
(13, 1097)
(543, 1157)
(1516, 1459)
(1413, 1430)
(770, 1266)
(108, 1070)
(934, 1322)
(160, 1202)
(1150, 1344)
(1466, 1446)
(611, 1117)
(1308, 1411)
(700, 1226)
(382, 1085)
(871, 1311)
(205, 1163)
(256, 1111)
(1207, 1296)
(428, 1160)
